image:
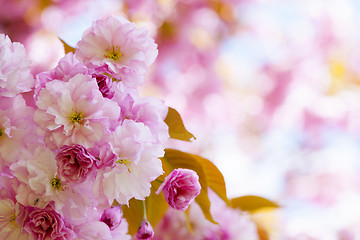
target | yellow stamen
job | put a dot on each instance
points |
(114, 53)
(56, 183)
(76, 117)
(126, 162)
(12, 220)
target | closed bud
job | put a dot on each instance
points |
(112, 217)
(145, 230)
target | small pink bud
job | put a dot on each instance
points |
(145, 230)
(180, 188)
(112, 217)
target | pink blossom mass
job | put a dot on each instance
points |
(179, 119)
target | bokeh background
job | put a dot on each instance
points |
(270, 89)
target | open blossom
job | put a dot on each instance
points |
(180, 188)
(119, 48)
(15, 76)
(74, 112)
(47, 224)
(12, 215)
(75, 163)
(136, 166)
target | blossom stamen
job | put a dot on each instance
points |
(56, 184)
(76, 117)
(126, 162)
(12, 220)
(114, 53)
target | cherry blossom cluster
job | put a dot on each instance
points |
(77, 137)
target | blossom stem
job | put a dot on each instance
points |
(159, 181)
(144, 210)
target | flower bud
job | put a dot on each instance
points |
(145, 230)
(180, 188)
(112, 217)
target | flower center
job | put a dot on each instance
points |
(56, 183)
(114, 53)
(126, 162)
(76, 117)
(12, 220)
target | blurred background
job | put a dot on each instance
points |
(270, 89)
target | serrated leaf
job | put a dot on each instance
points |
(177, 159)
(203, 200)
(176, 126)
(252, 203)
(134, 215)
(214, 177)
(67, 48)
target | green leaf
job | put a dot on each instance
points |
(177, 159)
(252, 203)
(177, 129)
(134, 215)
(67, 48)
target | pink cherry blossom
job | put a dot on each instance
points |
(46, 224)
(12, 216)
(180, 188)
(15, 76)
(119, 48)
(74, 112)
(75, 163)
(136, 166)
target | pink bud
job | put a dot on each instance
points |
(112, 217)
(145, 230)
(180, 188)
